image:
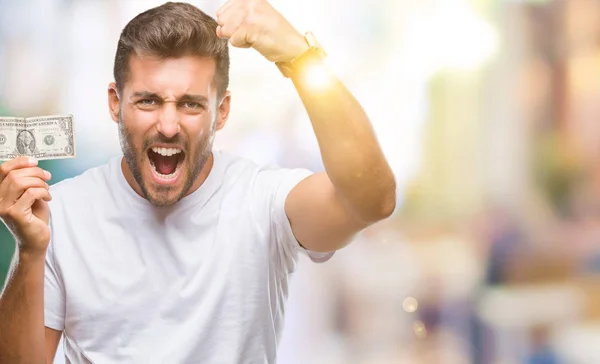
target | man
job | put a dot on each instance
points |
(25, 142)
(176, 253)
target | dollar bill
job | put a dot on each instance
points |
(41, 137)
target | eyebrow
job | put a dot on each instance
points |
(187, 97)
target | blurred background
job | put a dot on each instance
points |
(488, 113)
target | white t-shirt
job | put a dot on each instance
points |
(202, 281)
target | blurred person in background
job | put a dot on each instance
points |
(156, 256)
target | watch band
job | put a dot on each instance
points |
(314, 53)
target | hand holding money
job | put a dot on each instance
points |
(43, 137)
(24, 196)
(24, 192)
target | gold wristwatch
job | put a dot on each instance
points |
(314, 54)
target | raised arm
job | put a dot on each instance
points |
(358, 188)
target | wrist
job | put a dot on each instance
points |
(306, 51)
(297, 46)
(29, 255)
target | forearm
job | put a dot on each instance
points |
(22, 312)
(351, 154)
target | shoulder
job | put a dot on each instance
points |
(260, 175)
(233, 163)
(265, 186)
(236, 169)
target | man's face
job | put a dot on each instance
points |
(26, 138)
(168, 113)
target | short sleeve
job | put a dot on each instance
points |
(277, 184)
(54, 294)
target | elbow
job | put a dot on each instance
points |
(381, 206)
(388, 202)
(380, 210)
(386, 198)
(388, 208)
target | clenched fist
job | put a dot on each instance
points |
(24, 196)
(256, 24)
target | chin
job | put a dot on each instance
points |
(160, 200)
(161, 196)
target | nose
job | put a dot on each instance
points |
(168, 122)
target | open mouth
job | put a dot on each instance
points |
(165, 163)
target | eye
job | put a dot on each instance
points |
(147, 102)
(191, 105)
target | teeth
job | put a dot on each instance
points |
(167, 152)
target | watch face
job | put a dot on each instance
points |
(315, 46)
(312, 40)
(314, 53)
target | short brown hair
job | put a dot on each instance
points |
(173, 30)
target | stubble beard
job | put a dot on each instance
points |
(195, 164)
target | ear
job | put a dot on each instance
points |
(224, 108)
(114, 105)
